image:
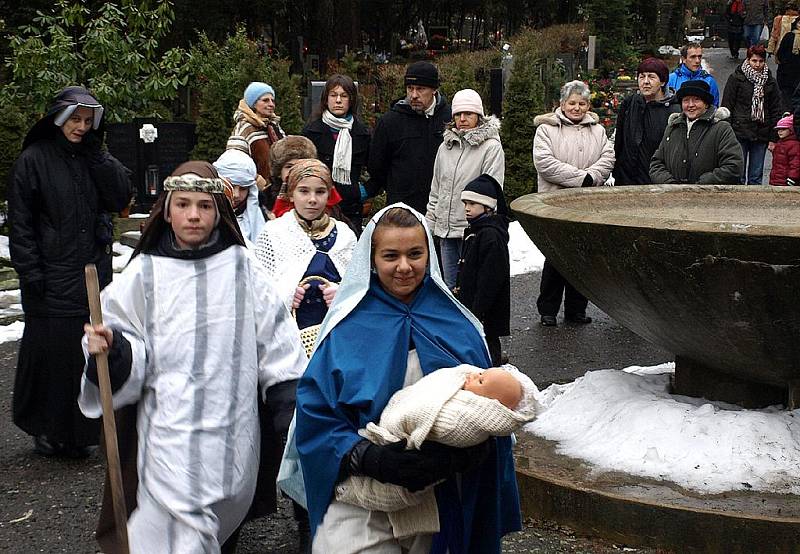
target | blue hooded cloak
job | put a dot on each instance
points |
(359, 363)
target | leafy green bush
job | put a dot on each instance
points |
(221, 72)
(113, 51)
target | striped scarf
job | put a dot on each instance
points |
(758, 79)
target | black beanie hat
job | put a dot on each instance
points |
(485, 190)
(423, 74)
(698, 88)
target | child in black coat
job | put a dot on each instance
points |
(484, 273)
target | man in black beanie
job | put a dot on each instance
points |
(406, 139)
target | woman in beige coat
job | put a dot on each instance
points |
(570, 149)
(471, 147)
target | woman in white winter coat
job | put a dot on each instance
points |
(471, 147)
(570, 149)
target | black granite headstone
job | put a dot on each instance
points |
(150, 162)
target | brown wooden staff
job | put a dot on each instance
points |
(109, 424)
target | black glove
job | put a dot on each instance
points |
(459, 460)
(120, 361)
(789, 182)
(411, 469)
(414, 469)
(588, 181)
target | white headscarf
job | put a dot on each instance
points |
(240, 169)
(356, 281)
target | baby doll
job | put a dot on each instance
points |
(460, 406)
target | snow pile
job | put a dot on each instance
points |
(522, 253)
(627, 421)
(122, 254)
(11, 332)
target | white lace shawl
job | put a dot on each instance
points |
(285, 250)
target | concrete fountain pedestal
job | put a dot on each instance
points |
(711, 274)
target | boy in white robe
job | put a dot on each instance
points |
(194, 331)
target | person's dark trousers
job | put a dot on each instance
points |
(753, 169)
(229, 546)
(553, 287)
(752, 34)
(303, 529)
(734, 43)
(495, 352)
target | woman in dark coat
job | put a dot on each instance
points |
(754, 100)
(342, 143)
(62, 188)
(641, 121)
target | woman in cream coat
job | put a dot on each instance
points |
(570, 149)
(471, 147)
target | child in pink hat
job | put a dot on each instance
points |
(785, 155)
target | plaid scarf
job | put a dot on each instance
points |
(758, 79)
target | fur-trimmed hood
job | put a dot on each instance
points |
(489, 128)
(557, 118)
(712, 114)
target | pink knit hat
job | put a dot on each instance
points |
(467, 100)
(785, 122)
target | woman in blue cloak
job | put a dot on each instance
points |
(393, 321)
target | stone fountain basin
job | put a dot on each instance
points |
(709, 273)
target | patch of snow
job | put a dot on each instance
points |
(4, 252)
(628, 421)
(11, 332)
(10, 296)
(523, 254)
(122, 254)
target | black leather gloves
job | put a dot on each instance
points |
(414, 469)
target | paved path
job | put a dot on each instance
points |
(50, 505)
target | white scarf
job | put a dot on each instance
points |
(343, 152)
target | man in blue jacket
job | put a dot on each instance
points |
(691, 69)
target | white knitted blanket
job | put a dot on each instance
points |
(434, 408)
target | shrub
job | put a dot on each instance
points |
(113, 51)
(532, 89)
(221, 72)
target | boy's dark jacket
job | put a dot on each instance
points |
(484, 273)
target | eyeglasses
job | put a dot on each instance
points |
(335, 95)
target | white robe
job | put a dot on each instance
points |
(205, 335)
(285, 250)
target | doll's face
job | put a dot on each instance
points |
(495, 383)
(192, 216)
(400, 257)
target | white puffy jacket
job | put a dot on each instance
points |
(564, 152)
(462, 156)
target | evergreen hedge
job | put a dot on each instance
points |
(532, 89)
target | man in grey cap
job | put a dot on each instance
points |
(406, 139)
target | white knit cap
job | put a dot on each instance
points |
(467, 100)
